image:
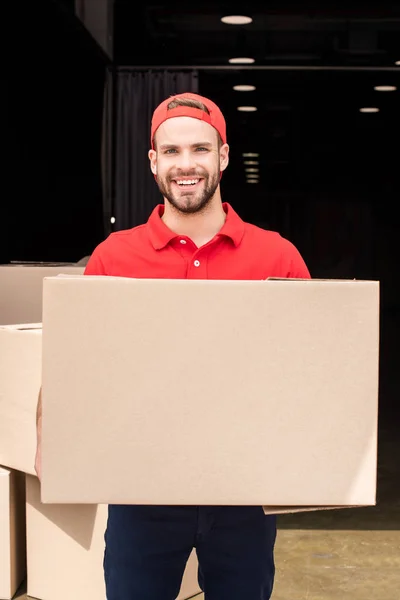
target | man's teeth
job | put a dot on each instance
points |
(187, 181)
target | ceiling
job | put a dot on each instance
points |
(314, 68)
(280, 33)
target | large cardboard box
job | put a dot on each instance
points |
(20, 381)
(12, 532)
(210, 392)
(65, 547)
(21, 290)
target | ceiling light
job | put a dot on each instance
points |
(241, 61)
(250, 154)
(247, 108)
(251, 170)
(236, 20)
(369, 109)
(252, 175)
(112, 220)
(252, 180)
(251, 162)
(397, 63)
(385, 88)
(244, 88)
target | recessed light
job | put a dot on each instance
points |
(244, 88)
(241, 61)
(250, 162)
(112, 220)
(252, 180)
(247, 108)
(236, 20)
(397, 63)
(385, 88)
(251, 170)
(369, 109)
(252, 175)
(250, 154)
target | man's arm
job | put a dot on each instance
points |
(294, 264)
(38, 457)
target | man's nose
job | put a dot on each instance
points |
(186, 160)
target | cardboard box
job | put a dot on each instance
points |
(210, 392)
(65, 547)
(20, 381)
(12, 532)
(21, 290)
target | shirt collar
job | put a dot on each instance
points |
(160, 235)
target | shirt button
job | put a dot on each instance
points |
(196, 263)
(182, 241)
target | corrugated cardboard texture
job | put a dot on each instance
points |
(12, 532)
(66, 547)
(20, 381)
(21, 291)
(210, 392)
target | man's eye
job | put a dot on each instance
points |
(170, 151)
(201, 149)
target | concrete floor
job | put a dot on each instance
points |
(350, 554)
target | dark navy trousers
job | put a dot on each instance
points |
(146, 549)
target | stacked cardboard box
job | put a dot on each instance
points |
(12, 532)
(58, 547)
(20, 372)
(21, 290)
(65, 550)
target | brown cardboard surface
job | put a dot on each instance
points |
(210, 392)
(20, 381)
(21, 290)
(65, 550)
(12, 532)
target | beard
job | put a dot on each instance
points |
(189, 201)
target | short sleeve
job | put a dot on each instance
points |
(295, 265)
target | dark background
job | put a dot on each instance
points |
(329, 175)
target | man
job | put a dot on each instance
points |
(192, 235)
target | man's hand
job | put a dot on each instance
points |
(38, 457)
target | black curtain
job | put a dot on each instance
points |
(130, 192)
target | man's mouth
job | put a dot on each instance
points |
(187, 183)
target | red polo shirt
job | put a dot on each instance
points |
(239, 251)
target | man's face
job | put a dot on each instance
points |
(187, 162)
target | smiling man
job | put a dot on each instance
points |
(188, 174)
(191, 235)
(187, 157)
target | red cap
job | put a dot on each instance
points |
(215, 118)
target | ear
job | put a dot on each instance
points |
(224, 156)
(153, 161)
